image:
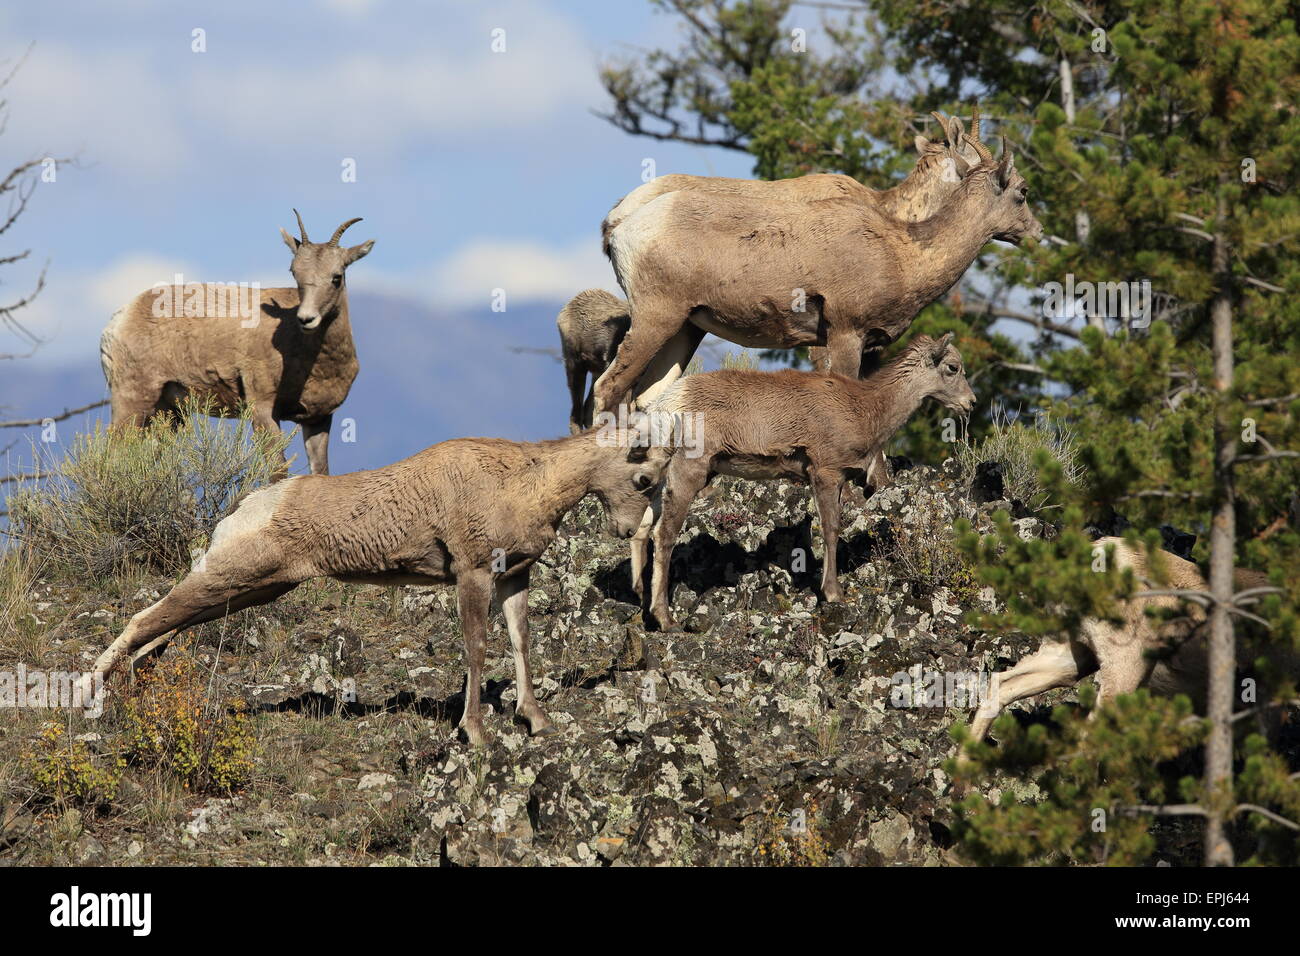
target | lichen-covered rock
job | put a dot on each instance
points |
(773, 728)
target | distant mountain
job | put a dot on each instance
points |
(426, 375)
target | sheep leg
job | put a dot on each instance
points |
(222, 585)
(316, 437)
(844, 347)
(127, 409)
(686, 478)
(668, 365)
(1055, 664)
(826, 486)
(653, 325)
(576, 376)
(513, 592)
(473, 601)
(265, 421)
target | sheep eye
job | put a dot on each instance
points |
(951, 369)
(337, 280)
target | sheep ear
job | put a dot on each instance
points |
(290, 241)
(921, 144)
(1008, 164)
(939, 348)
(357, 252)
(955, 131)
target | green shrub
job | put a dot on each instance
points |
(1016, 446)
(64, 769)
(141, 497)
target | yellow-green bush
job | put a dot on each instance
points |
(64, 769)
(169, 721)
(777, 845)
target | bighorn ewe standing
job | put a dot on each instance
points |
(474, 511)
(1169, 656)
(770, 274)
(591, 326)
(801, 426)
(939, 168)
(287, 353)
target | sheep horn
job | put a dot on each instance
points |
(975, 121)
(982, 150)
(338, 233)
(301, 228)
(943, 123)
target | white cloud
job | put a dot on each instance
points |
(106, 104)
(524, 268)
(377, 101)
(149, 106)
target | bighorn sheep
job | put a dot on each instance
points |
(591, 326)
(765, 273)
(938, 171)
(802, 426)
(939, 168)
(1169, 657)
(474, 511)
(287, 353)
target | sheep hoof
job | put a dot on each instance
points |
(550, 730)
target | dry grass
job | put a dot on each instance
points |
(1015, 445)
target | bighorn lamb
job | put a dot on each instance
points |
(591, 326)
(474, 511)
(939, 168)
(800, 426)
(287, 353)
(772, 274)
(1170, 656)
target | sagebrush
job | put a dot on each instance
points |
(141, 498)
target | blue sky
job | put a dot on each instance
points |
(475, 170)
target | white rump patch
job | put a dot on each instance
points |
(253, 514)
(633, 234)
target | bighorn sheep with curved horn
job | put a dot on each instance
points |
(474, 511)
(780, 274)
(287, 352)
(938, 172)
(939, 168)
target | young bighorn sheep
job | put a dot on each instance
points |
(591, 326)
(800, 426)
(474, 511)
(1168, 656)
(770, 274)
(939, 168)
(287, 353)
